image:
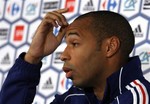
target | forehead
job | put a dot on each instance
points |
(79, 26)
(84, 22)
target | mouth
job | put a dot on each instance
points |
(68, 72)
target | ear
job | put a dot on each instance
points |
(112, 46)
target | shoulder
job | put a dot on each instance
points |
(138, 92)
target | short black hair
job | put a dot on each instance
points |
(106, 24)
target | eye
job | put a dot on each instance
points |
(75, 44)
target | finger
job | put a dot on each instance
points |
(61, 33)
(64, 10)
(57, 17)
(53, 17)
(50, 21)
(49, 18)
(61, 17)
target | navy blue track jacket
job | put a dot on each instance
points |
(127, 86)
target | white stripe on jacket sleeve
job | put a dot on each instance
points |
(141, 91)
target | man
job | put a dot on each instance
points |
(96, 59)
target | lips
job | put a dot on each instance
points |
(68, 72)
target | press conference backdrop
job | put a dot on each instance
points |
(20, 18)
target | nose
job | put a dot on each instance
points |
(65, 56)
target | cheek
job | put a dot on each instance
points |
(87, 66)
(80, 58)
(86, 63)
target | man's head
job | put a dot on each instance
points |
(105, 24)
(92, 40)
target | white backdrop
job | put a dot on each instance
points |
(20, 18)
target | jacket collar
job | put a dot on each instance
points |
(116, 82)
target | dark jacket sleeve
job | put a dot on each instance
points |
(20, 84)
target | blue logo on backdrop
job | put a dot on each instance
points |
(129, 5)
(111, 4)
(31, 9)
(145, 56)
(13, 9)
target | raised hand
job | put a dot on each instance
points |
(44, 41)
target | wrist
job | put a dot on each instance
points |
(31, 59)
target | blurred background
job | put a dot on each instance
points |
(20, 18)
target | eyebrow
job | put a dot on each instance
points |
(73, 33)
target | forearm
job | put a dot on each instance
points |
(20, 84)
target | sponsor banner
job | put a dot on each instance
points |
(72, 5)
(64, 83)
(56, 62)
(88, 5)
(31, 9)
(129, 8)
(18, 33)
(111, 5)
(1, 8)
(19, 20)
(13, 10)
(46, 62)
(49, 5)
(7, 54)
(4, 32)
(139, 26)
(146, 7)
(32, 28)
(23, 48)
(48, 82)
(144, 53)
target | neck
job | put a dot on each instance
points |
(99, 93)
(99, 90)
